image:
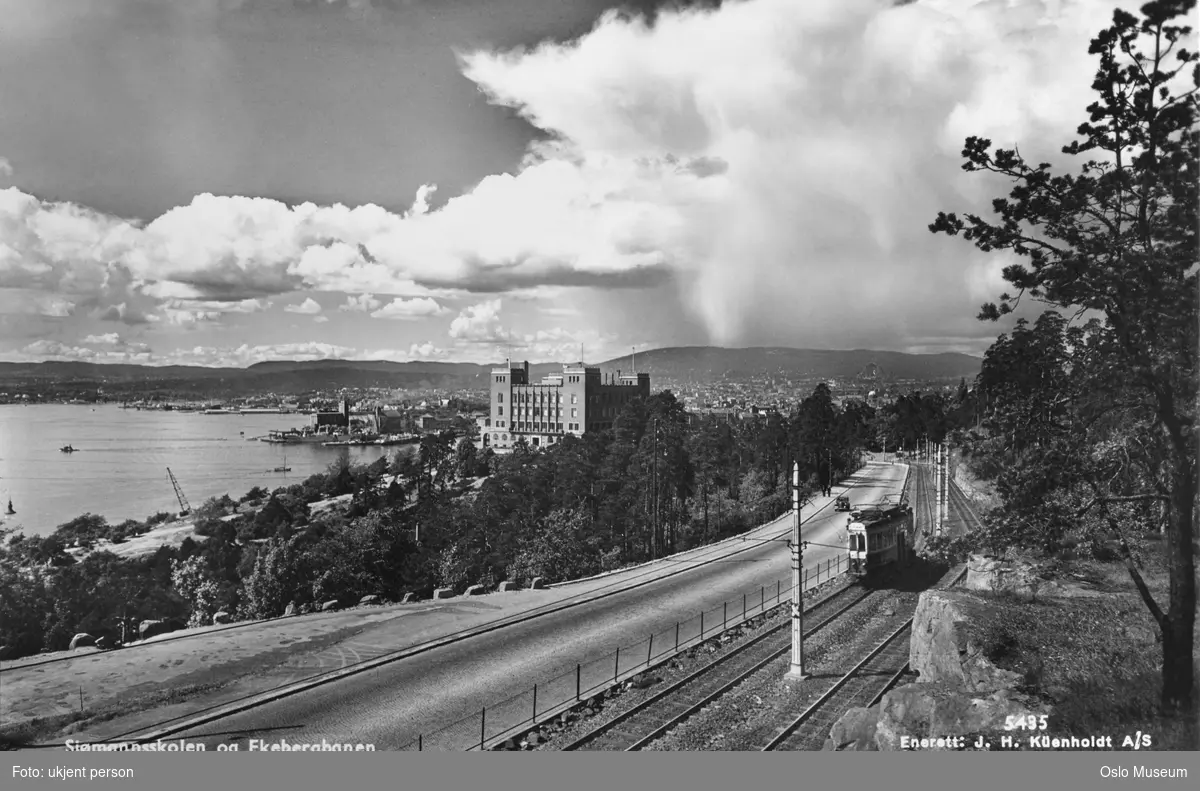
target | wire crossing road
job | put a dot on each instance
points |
(390, 705)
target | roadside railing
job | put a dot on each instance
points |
(547, 699)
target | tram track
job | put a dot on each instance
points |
(864, 685)
(636, 728)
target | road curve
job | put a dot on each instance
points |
(390, 705)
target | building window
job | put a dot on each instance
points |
(499, 398)
(501, 412)
(574, 413)
(574, 398)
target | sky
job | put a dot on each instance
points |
(221, 182)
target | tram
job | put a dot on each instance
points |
(878, 536)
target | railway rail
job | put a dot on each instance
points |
(865, 684)
(856, 688)
(636, 728)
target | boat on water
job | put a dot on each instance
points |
(10, 510)
(219, 411)
(283, 467)
(391, 439)
(294, 436)
(68, 449)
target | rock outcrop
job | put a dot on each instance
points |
(508, 585)
(443, 593)
(331, 605)
(476, 590)
(995, 575)
(410, 597)
(960, 691)
(222, 618)
(941, 651)
(370, 599)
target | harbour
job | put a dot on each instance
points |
(117, 465)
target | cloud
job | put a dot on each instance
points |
(418, 351)
(246, 354)
(6, 168)
(309, 306)
(321, 319)
(364, 303)
(138, 353)
(182, 314)
(107, 339)
(784, 159)
(55, 306)
(775, 162)
(124, 314)
(480, 324)
(409, 309)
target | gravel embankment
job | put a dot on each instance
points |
(748, 716)
(599, 709)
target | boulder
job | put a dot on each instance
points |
(476, 590)
(82, 640)
(538, 584)
(371, 599)
(930, 711)
(410, 597)
(330, 605)
(148, 629)
(508, 585)
(443, 593)
(995, 575)
(855, 731)
(102, 643)
(290, 610)
(222, 617)
(940, 649)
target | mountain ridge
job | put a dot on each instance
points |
(697, 364)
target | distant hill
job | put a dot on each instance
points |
(712, 363)
(696, 364)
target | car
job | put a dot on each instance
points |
(842, 504)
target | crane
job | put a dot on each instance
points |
(185, 509)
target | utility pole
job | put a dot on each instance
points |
(657, 540)
(945, 484)
(796, 671)
(941, 498)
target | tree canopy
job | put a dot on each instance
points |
(1096, 422)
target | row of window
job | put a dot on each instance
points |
(537, 412)
(537, 398)
(876, 541)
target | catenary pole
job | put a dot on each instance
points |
(796, 671)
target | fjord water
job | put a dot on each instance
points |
(120, 468)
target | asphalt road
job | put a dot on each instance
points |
(391, 705)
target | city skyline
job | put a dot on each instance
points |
(261, 179)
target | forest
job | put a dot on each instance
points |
(450, 516)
